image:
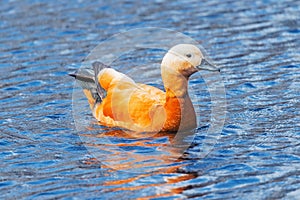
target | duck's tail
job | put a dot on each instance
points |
(87, 79)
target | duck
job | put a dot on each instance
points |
(116, 100)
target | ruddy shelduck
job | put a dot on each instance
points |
(117, 101)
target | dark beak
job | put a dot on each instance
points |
(206, 65)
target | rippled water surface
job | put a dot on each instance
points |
(44, 156)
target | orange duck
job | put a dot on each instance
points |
(117, 101)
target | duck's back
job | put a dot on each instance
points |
(128, 104)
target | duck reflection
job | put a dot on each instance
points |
(137, 152)
(141, 156)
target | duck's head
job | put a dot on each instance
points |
(186, 59)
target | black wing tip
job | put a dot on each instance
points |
(97, 67)
(82, 76)
(73, 74)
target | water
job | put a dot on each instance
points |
(256, 156)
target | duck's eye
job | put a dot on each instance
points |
(188, 55)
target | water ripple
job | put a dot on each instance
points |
(257, 154)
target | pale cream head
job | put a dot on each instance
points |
(186, 59)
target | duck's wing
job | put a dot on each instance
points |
(130, 105)
(98, 66)
(153, 92)
(86, 79)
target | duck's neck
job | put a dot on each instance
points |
(178, 104)
(175, 83)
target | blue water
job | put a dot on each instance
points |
(44, 156)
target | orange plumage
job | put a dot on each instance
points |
(141, 107)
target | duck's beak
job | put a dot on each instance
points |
(206, 65)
